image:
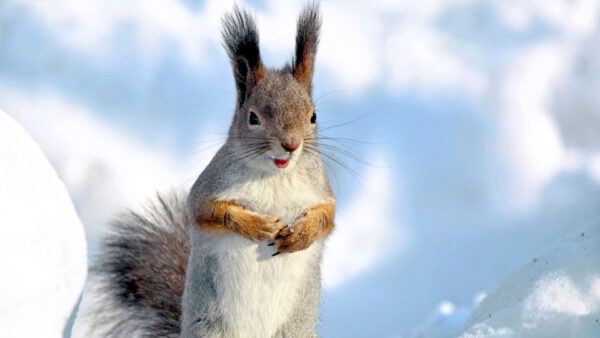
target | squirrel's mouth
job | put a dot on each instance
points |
(281, 162)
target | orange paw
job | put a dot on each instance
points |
(254, 226)
(300, 235)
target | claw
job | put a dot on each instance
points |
(271, 244)
(275, 254)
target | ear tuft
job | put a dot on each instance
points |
(240, 39)
(307, 41)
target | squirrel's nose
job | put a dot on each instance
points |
(292, 144)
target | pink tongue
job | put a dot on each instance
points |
(280, 163)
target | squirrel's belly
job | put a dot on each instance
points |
(258, 292)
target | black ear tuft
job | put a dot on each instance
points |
(307, 41)
(240, 38)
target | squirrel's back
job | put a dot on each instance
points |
(139, 279)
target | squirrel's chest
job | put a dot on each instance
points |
(284, 197)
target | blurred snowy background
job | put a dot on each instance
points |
(476, 125)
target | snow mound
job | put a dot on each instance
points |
(42, 242)
(556, 295)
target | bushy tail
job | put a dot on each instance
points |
(137, 282)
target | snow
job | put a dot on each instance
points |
(557, 294)
(42, 241)
(488, 112)
(107, 170)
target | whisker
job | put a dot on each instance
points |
(237, 137)
(349, 154)
(332, 171)
(256, 151)
(332, 157)
(341, 151)
(246, 145)
(316, 101)
(245, 156)
(245, 151)
(343, 123)
(349, 140)
(200, 142)
(196, 152)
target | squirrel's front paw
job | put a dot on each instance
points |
(255, 226)
(300, 235)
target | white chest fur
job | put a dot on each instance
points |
(284, 196)
(256, 291)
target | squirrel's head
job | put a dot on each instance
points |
(274, 117)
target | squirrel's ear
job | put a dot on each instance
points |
(307, 40)
(240, 39)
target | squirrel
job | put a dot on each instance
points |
(240, 255)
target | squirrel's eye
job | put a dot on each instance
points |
(313, 118)
(253, 120)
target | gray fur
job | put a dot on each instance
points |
(200, 315)
(303, 321)
(240, 39)
(159, 274)
(136, 283)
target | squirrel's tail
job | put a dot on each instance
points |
(136, 284)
